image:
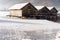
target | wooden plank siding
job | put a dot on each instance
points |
(54, 14)
(44, 13)
(16, 13)
(25, 11)
(30, 11)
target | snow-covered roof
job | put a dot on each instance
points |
(58, 11)
(49, 8)
(18, 6)
(39, 7)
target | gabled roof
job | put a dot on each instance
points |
(59, 12)
(42, 8)
(49, 8)
(39, 7)
(18, 6)
(52, 10)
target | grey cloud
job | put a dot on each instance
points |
(8, 3)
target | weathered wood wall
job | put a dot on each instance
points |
(29, 10)
(16, 12)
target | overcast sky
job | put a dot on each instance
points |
(7, 3)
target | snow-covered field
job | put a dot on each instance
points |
(27, 24)
(16, 29)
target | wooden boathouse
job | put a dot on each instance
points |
(27, 10)
(23, 10)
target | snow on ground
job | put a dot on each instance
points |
(26, 24)
(4, 13)
(17, 29)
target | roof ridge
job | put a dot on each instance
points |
(17, 6)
